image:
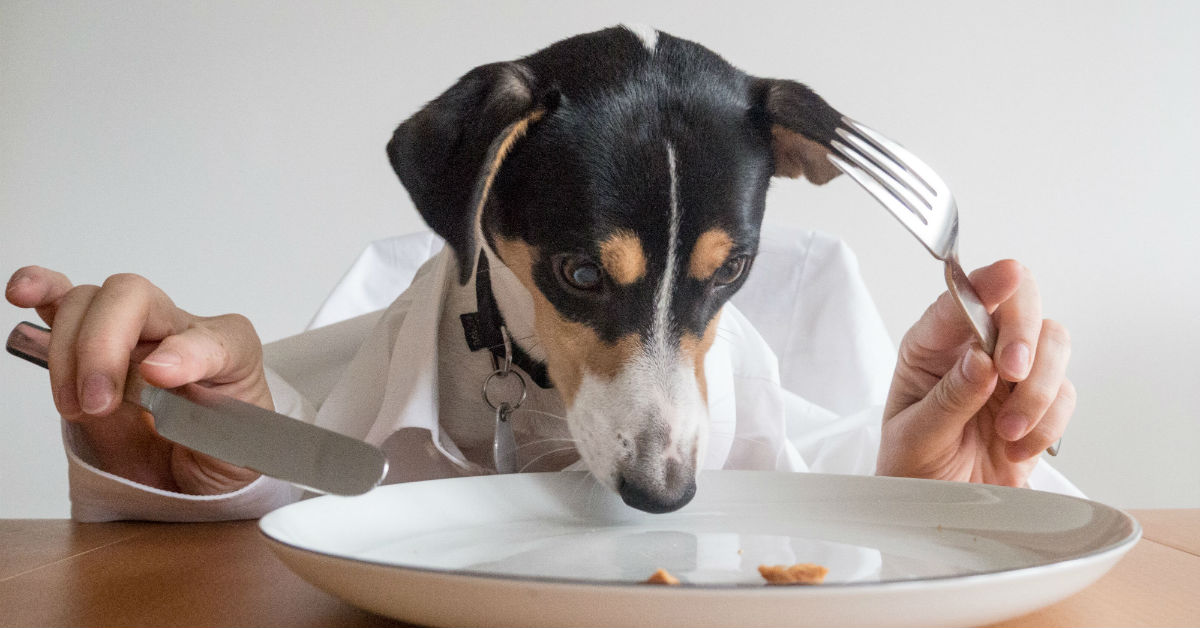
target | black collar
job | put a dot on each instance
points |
(482, 328)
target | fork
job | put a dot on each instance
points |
(922, 202)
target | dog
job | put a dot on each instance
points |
(606, 194)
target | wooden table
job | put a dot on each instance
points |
(60, 573)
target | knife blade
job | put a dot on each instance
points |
(238, 432)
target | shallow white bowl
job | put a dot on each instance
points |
(556, 549)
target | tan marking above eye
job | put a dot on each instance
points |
(710, 253)
(623, 258)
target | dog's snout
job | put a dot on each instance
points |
(658, 488)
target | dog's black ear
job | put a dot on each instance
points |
(447, 153)
(802, 125)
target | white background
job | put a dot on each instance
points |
(234, 154)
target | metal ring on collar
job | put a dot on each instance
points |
(503, 374)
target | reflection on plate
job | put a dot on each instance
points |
(556, 549)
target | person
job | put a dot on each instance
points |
(949, 412)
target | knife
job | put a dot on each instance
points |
(237, 432)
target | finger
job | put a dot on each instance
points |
(1031, 398)
(997, 281)
(1018, 317)
(217, 350)
(1049, 429)
(125, 310)
(935, 343)
(38, 288)
(944, 326)
(70, 311)
(957, 397)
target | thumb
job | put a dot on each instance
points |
(961, 393)
(218, 351)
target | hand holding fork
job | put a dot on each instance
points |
(1037, 409)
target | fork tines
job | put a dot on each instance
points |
(898, 179)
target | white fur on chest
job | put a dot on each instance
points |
(463, 414)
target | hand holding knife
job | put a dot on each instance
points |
(237, 432)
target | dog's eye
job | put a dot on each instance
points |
(731, 270)
(581, 273)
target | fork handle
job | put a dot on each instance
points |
(968, 301)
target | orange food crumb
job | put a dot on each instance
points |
(662, 576)
(801, 573)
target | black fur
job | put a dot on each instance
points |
(597, 162)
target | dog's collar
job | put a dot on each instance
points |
(482, 328)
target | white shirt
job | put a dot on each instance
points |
(797, 377)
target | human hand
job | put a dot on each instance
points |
(99, 332)
(951, 413)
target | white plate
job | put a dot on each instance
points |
(556, 549)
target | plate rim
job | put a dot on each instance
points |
(1114, 549)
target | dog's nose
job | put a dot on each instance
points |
(658, 494)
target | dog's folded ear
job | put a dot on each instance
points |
(447, 153)
(802, 126)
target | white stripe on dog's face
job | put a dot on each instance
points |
(636, 405)
(643, 430)
(662, 300)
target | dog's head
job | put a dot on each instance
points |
(621, 175)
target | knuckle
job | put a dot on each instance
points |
(1067, 394)
(236, 322)
(1056, 333)
(237, 329)
(82, 290)
(948, 398)
(216, 345)
(1018, 268)
(126, 282)
(1040, 397)
(79, 295)
(1014, 267)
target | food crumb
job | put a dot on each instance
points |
(800, 573)
(662, 576)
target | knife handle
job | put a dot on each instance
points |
(31, 343)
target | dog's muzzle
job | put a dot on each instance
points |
(636, 492)
(656, 483)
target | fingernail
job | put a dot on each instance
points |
(974, 366)
(15, 283)
(1011, 427)
(163, 357)
(1017, 359)
(97, 393)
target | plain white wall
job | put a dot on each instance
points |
(233, 153)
